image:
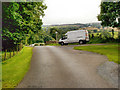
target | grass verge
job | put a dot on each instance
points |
(111, 51)
(14, 69)
(7, 55)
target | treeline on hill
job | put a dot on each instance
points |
(21, 24)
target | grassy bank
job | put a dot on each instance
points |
(111, 51)
(14, 69)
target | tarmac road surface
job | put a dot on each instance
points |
(63, 67)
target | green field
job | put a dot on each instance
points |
(115, 34)
(111, 51)
(14, 69)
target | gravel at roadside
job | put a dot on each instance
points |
(109, 71)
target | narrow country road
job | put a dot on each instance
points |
(63, 67)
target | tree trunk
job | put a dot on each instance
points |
(10, 54)
(118, 34)
(20, 46)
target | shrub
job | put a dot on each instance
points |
(106, 35)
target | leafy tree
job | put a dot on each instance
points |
(110, 14)
(52, 32)
(40, 37)
(19, 20)
(95, 31)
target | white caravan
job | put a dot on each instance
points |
(77, 36)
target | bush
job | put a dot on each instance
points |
(96, 40)
(106, 35)
(48, 38)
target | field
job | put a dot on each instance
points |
(111, 51)
(14, 69)
(115, 34)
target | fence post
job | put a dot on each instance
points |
(17, 48)
(5, 54)
(13, 52)
(20, 46)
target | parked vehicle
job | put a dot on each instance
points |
(37, 44)
(77, 36)
(32, 45)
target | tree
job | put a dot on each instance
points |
(19, 19)
(52, 32)
(110, 14)
(112, 32)
(95, 31)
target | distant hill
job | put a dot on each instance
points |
(76, 26)
(96, 24)
(80, 25)
(68, 26)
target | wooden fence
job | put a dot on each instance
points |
(12, 52)
(50, 42)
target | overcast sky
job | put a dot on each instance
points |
(71, 11)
